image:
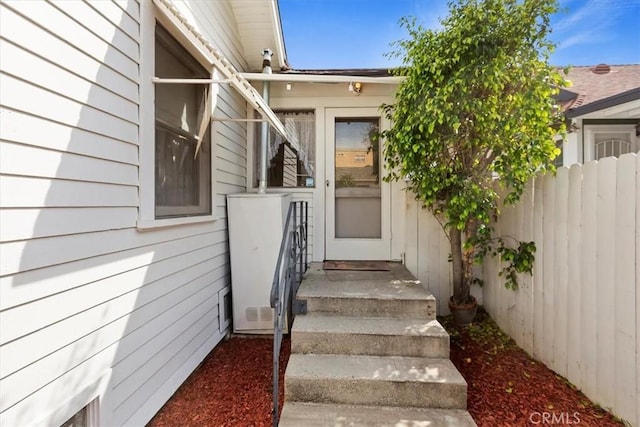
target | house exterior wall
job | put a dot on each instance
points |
(578, 312)
(92, 308)
(319, 97)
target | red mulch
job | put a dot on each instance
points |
(506, 387)
(232, 387)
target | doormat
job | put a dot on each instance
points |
(356, 265)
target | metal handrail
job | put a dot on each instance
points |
(291, 265)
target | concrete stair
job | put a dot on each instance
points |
(298, 414)
(370, 353)
(380, 336)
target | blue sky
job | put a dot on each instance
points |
(357, 33)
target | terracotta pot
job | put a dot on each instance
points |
(465, 313)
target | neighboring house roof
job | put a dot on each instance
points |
(601, 104)
(599, 87)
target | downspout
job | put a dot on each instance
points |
(264, 131)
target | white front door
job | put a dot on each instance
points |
(357, 205)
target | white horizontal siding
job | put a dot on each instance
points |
(39, 253)
(89, 302)
(37, 284)
(19, 95)
(61, 306)
(45, 44)
(60, 137)
(174, 374)
(108, 31)
(213, 20)
(22, 64)
(24, 224)
(134, 370)
(48, 16)
(24, 160)
(126, 334)
(25, 192)
(127, 22)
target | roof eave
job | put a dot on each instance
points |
(602, 104)
(278, 36)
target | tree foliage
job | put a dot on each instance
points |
(475, 107)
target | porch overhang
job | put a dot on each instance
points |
(320, 78)
(222, 64)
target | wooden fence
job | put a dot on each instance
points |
(579, 311)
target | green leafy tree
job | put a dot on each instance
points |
(475, 109)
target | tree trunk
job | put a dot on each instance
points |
(455, 236)
(468, 258)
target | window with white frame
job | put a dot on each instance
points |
(290, 163)
(182, 132)
(609, 141)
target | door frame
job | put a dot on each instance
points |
(351, 248)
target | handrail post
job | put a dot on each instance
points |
(294, 231)
(306, 235)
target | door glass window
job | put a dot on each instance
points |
(357, 179)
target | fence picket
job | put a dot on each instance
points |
(589, 304)
(560, 271)
(548, 259)
(605, 279)
(625, 288)
(538, 269)
(525, 301)
(574, 278)
(637, 266)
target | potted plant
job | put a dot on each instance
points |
(473, 118)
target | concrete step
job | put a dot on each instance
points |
(296, 414)
(313, 333)
(374, 380)
(398, 298)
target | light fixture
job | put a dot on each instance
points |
(573, 126)
(289, 86)
(355, 87)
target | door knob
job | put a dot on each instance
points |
(327, 182)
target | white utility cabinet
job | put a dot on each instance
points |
(256, 223)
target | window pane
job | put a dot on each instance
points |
(177, 105)
(183, 179)
(290, 163)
